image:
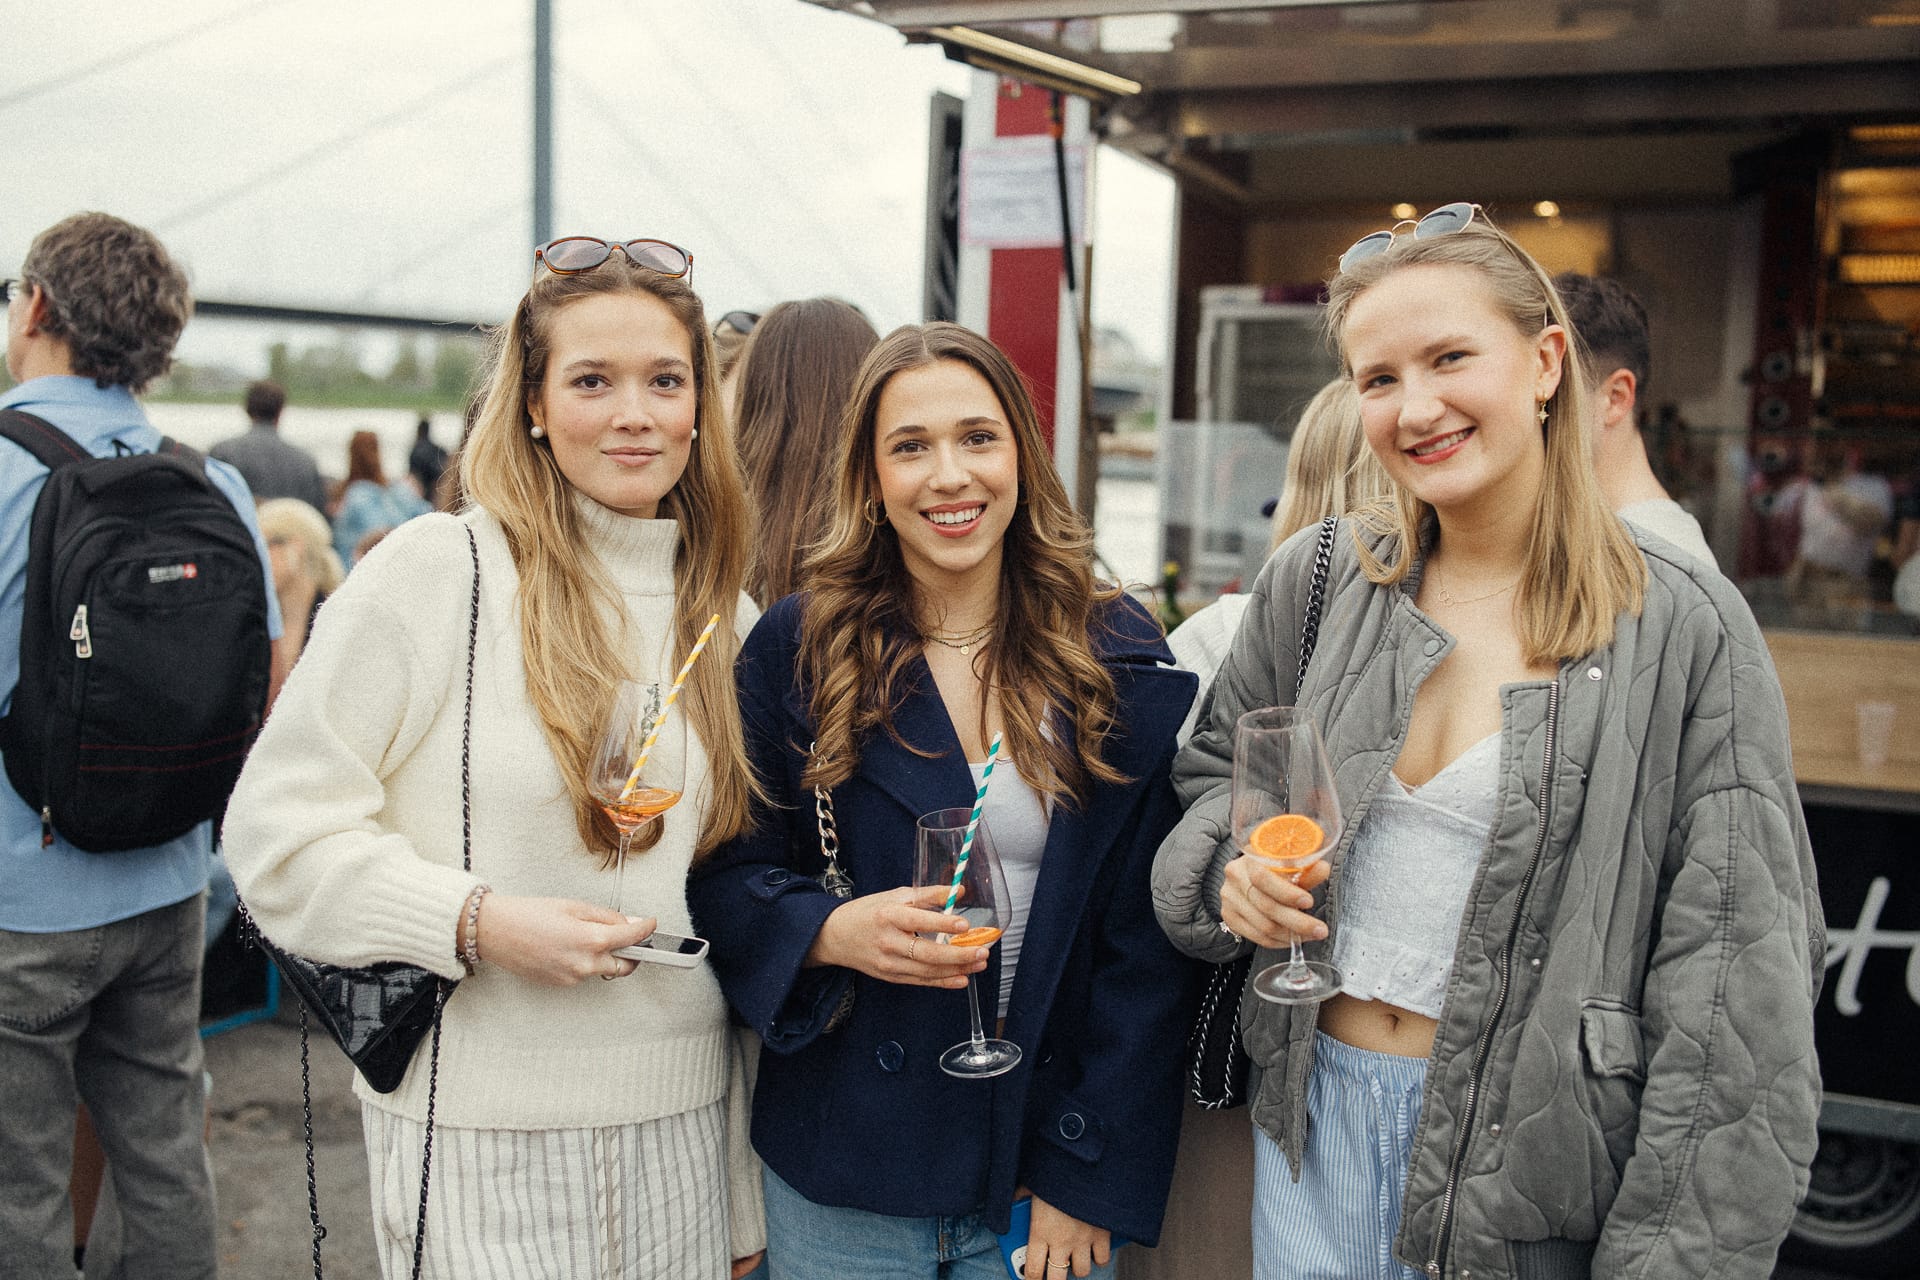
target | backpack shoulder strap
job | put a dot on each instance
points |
(51, 446)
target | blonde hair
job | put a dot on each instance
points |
(296, 521)
(573, 664)
(861, 630)
(1330, 469)
(1582, 568)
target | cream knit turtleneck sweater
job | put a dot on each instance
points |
(344, 835)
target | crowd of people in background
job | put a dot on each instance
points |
(1569, 883)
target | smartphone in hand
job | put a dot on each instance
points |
(667, 948)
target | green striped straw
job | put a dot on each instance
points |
(973, 823)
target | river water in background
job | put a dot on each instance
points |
(1126, 520)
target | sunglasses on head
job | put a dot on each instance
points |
(1445, 220)
(571, 255)
(741, 322)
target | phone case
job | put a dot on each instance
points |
(654, 955)
(1013, 1242)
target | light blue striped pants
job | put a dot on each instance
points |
(1339, 1220)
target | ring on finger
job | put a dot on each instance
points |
(912, 943)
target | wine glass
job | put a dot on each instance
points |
(1286, 813)
(630, 790)
(982, 902)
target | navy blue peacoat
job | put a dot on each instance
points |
(863, 1117)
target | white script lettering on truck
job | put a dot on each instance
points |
(1849, 949)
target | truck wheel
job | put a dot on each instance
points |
(1862, 1211)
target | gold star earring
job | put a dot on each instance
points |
(1543, 413)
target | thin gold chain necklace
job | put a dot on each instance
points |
(964, 641)
(1447, 597)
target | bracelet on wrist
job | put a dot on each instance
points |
(469, 952)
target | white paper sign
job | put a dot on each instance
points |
(1010, 194)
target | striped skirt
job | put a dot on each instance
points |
(632, 1202)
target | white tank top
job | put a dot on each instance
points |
(1019, 820)
(1405, 880)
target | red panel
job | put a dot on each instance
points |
(1023, 303)
(1023, 316)
(1025, 114)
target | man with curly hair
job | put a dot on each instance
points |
(100, 954)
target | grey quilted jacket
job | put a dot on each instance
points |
(1624, 1070)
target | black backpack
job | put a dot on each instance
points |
(144, 657)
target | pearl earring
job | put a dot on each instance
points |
(696, 434)
(538, 431)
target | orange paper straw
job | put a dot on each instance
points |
(653, 734)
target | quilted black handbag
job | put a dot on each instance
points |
(1217, 1062)
(378, 1014)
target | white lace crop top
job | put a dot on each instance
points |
(1404, 883)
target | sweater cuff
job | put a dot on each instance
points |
(414, 908)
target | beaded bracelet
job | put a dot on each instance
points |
(470, 951)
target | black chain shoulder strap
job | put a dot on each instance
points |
(445, 988)
(1316, 597)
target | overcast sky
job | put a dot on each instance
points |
(377, 156)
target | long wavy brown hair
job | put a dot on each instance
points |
(795, 375)
(573, 664)
(860, 628)
(1583, 569)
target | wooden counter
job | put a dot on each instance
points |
(1824, 674)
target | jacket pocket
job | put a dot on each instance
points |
(1614, 1055)
(1610, 1040)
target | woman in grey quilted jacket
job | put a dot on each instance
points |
(1573, 902)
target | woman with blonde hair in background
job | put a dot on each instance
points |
(583, 1127)
(306, 570)
(792, 387)
(1572, 904)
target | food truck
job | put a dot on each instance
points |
(1750, 168)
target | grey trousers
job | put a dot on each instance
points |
(108, 1016)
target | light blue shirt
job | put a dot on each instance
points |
(60, 888)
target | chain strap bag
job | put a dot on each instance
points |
(378, 1014)
(834, 879)
(1217, 1062)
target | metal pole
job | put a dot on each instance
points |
(542, 121)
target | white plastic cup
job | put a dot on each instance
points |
(1875, 725)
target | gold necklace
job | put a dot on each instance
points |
(964, 641)
(1447, 597)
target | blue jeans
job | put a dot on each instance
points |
(808, 1241)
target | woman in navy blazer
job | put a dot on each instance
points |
(953, 599)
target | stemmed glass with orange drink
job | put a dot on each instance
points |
(635, 786)
(981, 900)
(1286, 814)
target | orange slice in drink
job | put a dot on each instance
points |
(1287, 837)
(981, 936)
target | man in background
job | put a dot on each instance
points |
(271, 467)
(100, 954)
(427, 460)
(1616, 355)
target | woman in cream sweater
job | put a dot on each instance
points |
(584, 1128)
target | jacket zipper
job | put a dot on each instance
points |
(1457, 1163)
